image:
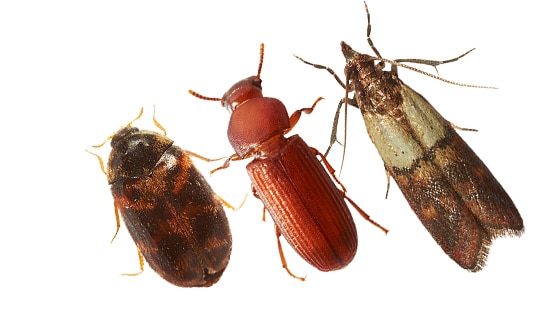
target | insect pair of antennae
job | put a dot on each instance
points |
(194, 93)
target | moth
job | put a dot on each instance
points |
(450, 189)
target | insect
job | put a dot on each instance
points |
(452, 192)
(176, 220)
(305, 204)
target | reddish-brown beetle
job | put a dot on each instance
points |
(306, 206)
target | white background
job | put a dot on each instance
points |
(71, 74)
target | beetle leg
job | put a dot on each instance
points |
(328, 167)
(343, 191)
(363, 213)
(296, 115)
(159, 126)
(117, 216)
(226, 163)
(283, 260)
(228, 205)
(100, 162)
(255, 193)
(141, 263)
(206, 159)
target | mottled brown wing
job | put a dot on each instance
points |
(477, 187)
(453, 193)
(443, 213)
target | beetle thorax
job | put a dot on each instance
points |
(254, 122)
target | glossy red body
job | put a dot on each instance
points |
(306, 206)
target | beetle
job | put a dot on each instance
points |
(452, 192)
(173, 215)
(305, 204)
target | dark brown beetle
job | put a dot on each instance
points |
(176, 220)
